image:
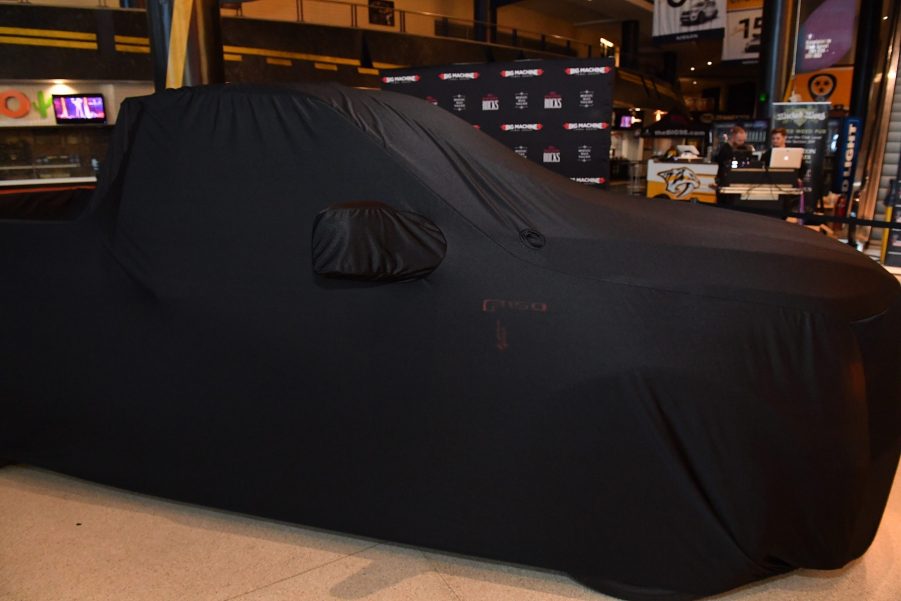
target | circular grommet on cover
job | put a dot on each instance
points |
(532, 238)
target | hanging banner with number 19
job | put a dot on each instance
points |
(744, 21)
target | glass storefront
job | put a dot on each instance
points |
(53, 152)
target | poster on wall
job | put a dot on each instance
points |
(744, 22)
(685, 20)
(807, 127)
(827, 85)
(381, 12)
(556, 113)
(826, 34)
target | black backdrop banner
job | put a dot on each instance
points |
(553, 112)
(806, 124)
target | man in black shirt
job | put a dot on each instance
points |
(724, 158)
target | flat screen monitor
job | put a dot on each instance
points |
(786, 158)
(625, 121)
(79, 108)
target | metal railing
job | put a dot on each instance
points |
(338, 12)
(343, 13)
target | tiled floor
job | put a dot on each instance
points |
(896, 271)
(64, 539)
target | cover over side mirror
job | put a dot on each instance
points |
(374, 242)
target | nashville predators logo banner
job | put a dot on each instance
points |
(555, 113)
(681, 181)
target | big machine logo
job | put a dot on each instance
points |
(490, 102)
(522, 73)
(461, 76)
(584, 153)
(459, 102)
(589, 180)
(521, 127)
(588, 70)
(401, 79)
(522, 151)
(522, 100)
(553, 100)
(551, 155)
(586, 99)
(593, 126)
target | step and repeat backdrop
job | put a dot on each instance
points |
(554, 112)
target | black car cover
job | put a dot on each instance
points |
(370, 241)
(664, 400)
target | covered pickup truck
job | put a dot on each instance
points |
(351, 310)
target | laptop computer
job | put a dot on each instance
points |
(786, 158)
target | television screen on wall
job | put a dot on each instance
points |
(79, 108)
(622, 119)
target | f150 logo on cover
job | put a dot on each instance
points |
(681, 181)
(493, 305)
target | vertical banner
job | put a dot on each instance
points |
(744, 22)
(826, 36)
(849, 138)
(381, 12)
(832, 85)
(553, 112)
(807, 126)
(892, 256)
(684, 20)
(891, 238)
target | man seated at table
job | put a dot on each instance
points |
(777, 140)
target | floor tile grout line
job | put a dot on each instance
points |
(313, 569)
(433, 566)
